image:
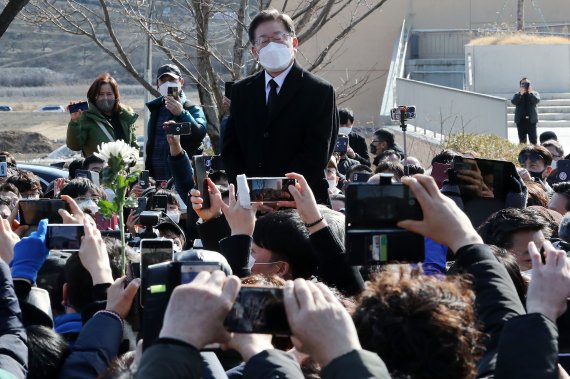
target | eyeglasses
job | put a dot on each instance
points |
(532, 156)
(277, 37)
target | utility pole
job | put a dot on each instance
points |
(520, 15)
(148, 69)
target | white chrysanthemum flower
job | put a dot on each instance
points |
(117, 148)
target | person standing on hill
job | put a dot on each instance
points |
(105, 120)
(526, 115)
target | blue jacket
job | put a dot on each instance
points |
(13, 339)
(98, 344)
(191, 113)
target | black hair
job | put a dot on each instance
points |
(218, 175)
(542, 151)
(79, 187)
(563, 188)
(358, 168)
(47, 351)
(270, 15)
(285, 235)
(25, 181)
(74, 165)
(345, 115)
(90, 160)
(548, 135)
(445, 156)
(385, 135)
(120, 367)
(499, 228)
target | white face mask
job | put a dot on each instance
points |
(174, 215)
(275, 57)
(250, 261)
(332, 183)
(89, 205)
(163, 88)
(344, 130)
(553, 164)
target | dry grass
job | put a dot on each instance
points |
(519, 39)
(484, 145)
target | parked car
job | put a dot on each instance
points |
(51, 108)
(47, 174)
(5, 108)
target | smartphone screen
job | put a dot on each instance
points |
(143, 179)
(31, 211)
(341, 144)
(160, 203)
(64, 236)
(141, 205)
(258, 310)
(3, 166)
(269, 190)
(154, 251)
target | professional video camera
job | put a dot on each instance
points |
(372, 212)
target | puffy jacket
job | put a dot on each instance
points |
(85, 134)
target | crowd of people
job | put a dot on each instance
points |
(488, 299)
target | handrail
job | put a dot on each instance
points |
(396, 70)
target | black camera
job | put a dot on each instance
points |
(160, 281)
(372, 234)
(179, 128)
(403, 111)
(204, 166)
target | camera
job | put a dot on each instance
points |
(405, 111)
(341, 144)
(144, 179)
(372, 234)
(160, 203)
(259, 310)
(160, 280)
(179, 128)
(527, 85)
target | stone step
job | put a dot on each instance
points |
(543, 96)
(562, 102)
(547, 124)
(546, 109)
(545, 116)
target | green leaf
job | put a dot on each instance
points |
(106, 208)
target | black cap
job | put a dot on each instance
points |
(548, 135)
(169, 69)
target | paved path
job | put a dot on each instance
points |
(563, 134)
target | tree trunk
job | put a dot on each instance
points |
(520, 15)
(10, 12)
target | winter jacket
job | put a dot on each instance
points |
(85, 134)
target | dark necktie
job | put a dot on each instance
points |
(272, 98)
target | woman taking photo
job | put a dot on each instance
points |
(105, 120)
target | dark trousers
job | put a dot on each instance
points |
(525, 127)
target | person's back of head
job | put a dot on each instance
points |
(121, 367)
(74, 165)
(386, 167)
(360, 168)
(285, 235)
(445, 157)
(345, 116)
(499, 228)
(421, 326)
(47, 352)
(548, 135)
(537, 195)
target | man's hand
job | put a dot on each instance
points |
(226, 105)
(439, 210)
(304, 202)
(174, 106)
(241, 220)
(120, 298)
(93, 255)
(215, 209)
(132, 221)
(196, 311)
(321, 326)
(173, 140)
(76, 216)
(8, 240)
(350, 152)
(550, 284)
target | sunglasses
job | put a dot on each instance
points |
(532, 156)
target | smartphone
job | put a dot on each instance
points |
(203, 166)
(179, 128)
(141, 205)
(144, 179)
(173, 91)
(93, 176)
(160, 203)
(153, 251)
(228, 89)
(259, 310)
(64, 236)
(439, 173)
(360, 177)
(189, 270)
(562, 172)
(341, 144)
(270, 190)
(33, 210)
(3, 166)
(82, 106)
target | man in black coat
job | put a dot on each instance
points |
(526, 115)
(358, 149)
(283, 119)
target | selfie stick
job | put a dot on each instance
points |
(404, 126)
